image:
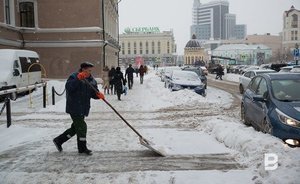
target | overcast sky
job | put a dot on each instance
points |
(260, 16)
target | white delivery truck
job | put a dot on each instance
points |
(17, 69)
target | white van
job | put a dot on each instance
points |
(17, 69)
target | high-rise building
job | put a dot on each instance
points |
(212, 21)
(209, 19)
(240, 31)
(230, 23)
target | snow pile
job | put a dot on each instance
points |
(253, 145)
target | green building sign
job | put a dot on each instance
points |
(142, 30)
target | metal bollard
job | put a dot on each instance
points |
(8, 112)
(53, 95)
(44, 95)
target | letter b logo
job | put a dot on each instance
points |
(271, 161)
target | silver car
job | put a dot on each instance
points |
(246, 78)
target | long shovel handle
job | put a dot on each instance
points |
(115, 111)
(123, 118)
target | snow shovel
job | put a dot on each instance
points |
(143, 141)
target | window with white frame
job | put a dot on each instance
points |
(27, 14)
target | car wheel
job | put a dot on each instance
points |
(241, 89)
(267, 127)
(165, 85)
(243, 116)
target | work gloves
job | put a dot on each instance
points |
(100, 95)
(83, 75)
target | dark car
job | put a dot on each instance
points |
(199, 72)
(271, 104)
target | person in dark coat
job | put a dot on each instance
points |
(142, 73)
(129, 74)
(78, 94)
(220, 72)
(119, 81)
(111, 75)
(137, 71)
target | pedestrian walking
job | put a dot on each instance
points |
(119, 82)
(111, 75)
(129, 75)
(142, 73)
(137, 71)
(78, 94)
(105, 78)
(146, 69)
(220, 72)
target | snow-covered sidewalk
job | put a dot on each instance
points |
(204, 143)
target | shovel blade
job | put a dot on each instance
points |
(152, 147)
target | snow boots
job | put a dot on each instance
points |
(58, 141)
(81, 144)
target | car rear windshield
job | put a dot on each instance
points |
(286, 90)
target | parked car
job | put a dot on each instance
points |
(271, 104)
(204, 69)
(18, 69)
(246, 78)
(249, 68)
(296, 69)
(186, 80)
(289, 69)
(166, 75)
(199, 72)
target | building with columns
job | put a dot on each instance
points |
(291, 31)
(194, 53)
(149, 44)
(63, 33)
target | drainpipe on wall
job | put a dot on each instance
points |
(23, 41)
(103, 27)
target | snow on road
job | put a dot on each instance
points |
(204, 142)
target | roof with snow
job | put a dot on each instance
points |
(240, 47)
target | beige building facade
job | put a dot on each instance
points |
(63, 33)
(148, 43)
(291, 31)
(194, 53)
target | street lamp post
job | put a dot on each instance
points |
(296, 53)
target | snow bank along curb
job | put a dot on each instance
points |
(253, 145)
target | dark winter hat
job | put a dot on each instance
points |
(86, 65)
(118, 69)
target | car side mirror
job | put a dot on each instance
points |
(16, 72)
(259, 98)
